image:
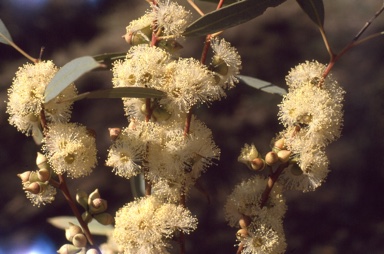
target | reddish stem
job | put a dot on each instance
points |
(62, 185)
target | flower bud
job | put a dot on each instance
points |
(279, 144)
(114, 133)
(98, 205)
(248, 154)
(24, 176)
(92, 251)
(71, 231)
(87, 217)
(41, 161)
(82, 198)
(44, 174)
(68, 249)
(104, 218)
(244, 221)
(95, 194)
(241, 234)
(284, 155)
(35, 188)
(141, 36)
(79, 240)
(271, 158)
(257, 164)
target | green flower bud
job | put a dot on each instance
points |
(95, 194)
(82, 198)
(104, 218)
(87, 217)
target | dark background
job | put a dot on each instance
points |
(344, 215)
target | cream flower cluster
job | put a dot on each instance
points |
(26, 97)
(143, 226)
(156, 143)
(264, 232)
(185, 81)
(312, 113)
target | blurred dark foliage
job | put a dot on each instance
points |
(345, 215)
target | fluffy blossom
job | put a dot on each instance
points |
(170, 17)
(126, 153)
(226, 61)
(188, 83)
(308, 173)
(46, 196)
(316, 110)
(142, 226)
(262, 239)
(70, 149)
(26, 97)
(181, 159)
(245, 200)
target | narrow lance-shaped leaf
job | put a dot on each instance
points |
(108, 59)
(4, 33)
(229, 16)
(68, 74)
(262, 85)
(314, 9)
(119, 92)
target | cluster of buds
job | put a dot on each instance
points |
(244, 222)
(251, 157)
(36, 183)
(95, 207)
(75, 235)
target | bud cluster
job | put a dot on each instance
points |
(36, 183)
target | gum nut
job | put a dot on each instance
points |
(284, 155)
(95, 194)
(98, 205)
(79, 240)
(258, 164)
(104, 218)
(33, 188)
(271, 158)
(280, 144)
(71, 231)
(24, 176)
(41, 161)
(44, 174)
(68, 249)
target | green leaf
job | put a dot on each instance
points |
(262, 85)
(4, 33)
(229, 16)
(314, 9)
(96, 228)
(68, 74)
(119, 92)
(108, 59)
